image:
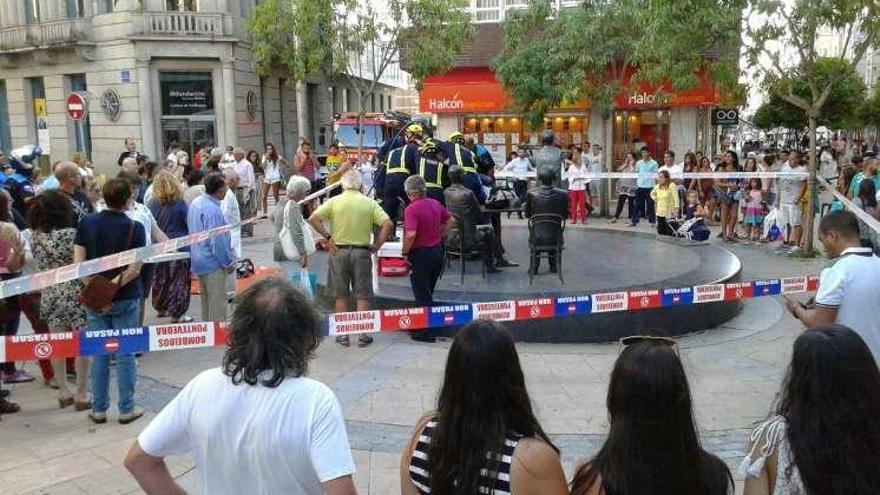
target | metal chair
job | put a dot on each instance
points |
(455, 247)
(555, 224)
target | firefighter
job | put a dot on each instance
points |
(434, 169)
(460, 155)
(400, 164)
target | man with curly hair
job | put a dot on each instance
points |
(257, 424)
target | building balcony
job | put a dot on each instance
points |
(44, 35)
(494, 11)
(183, 24)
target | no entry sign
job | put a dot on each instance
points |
(77, 107)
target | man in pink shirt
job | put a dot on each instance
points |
(425, 222)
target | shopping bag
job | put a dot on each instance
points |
(304, 282)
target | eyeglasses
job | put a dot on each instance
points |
(635, 339)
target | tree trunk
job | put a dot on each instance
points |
(812, 193)
(607, 154)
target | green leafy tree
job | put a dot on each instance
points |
(788, 31)
(357, 39)
(870, 111)
(840, 111)
(584, 53)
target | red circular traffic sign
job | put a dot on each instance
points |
(77, 107)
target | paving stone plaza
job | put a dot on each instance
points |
(734, 370)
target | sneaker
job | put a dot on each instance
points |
(98, 418)
(131, 417)
(20, 376)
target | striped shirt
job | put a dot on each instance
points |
(492, 483)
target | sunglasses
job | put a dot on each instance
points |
(635, 339)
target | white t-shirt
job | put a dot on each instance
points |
(142, 215)
(245, 171)
(172, 157)
(790, 190)
(254, 439)
(852, 285)
(232, 215)
(576, 179)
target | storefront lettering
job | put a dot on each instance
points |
(644, 98)
(445, 104)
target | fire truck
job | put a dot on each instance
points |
(377, 128)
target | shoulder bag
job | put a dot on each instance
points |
(287, 244)
(99, 291)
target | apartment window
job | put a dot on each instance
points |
(381, 103)
(31, 11)
(82, 130)
(372, 102)
(349, 99)
(76, 9)
(390, 105)
(5, 134)
(182, 5)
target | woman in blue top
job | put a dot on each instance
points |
(171, 290)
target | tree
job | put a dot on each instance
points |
(785, 30)
(357, 39)
(586, 53)
(840, 111)
(870, 111)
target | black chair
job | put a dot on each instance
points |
(455, 247)
(555, 225)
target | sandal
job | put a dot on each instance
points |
(7, 407)
(343, 340)
(364, 340)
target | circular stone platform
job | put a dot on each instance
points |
(594, 260)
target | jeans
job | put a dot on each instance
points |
(123, 314)
(427, 265)
(644, 205)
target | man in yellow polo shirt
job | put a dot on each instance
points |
(352, 217)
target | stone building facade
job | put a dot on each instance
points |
(160, 71)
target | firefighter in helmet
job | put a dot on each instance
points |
(400, 164)
(433, 167)
(460, 155)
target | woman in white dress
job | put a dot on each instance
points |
(825, 436)
(271, 175)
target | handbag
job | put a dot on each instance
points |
(99, 291)
(303, 282)
(290, 251)
(500, 198)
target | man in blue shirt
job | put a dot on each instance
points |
(646, 168)
(212, 259)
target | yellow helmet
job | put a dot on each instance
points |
(456, 137)
(415, 129)
(429, 146)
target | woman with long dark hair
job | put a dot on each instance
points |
(273, 175)
(483, 437)
(626, 188)
(825, 437)
(867, 200)
(653, 447)
(690, 167)
(706, 188)
(53, 220)
(728, 191)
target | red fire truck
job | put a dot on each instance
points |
(377, 128)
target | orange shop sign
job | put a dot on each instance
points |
(463, 90)
(645, 95)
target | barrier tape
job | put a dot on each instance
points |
(406, 319)
(177, 336)
(37, 281)
(849, 205)
(674, 175)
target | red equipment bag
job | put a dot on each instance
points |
(393, 267)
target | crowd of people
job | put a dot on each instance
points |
(76, 215)
(483, 436)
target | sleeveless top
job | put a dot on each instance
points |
(490, 483)
(767, 439)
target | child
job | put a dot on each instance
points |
(692, 207)
(577, 186)
(665, 196)
(754, 219)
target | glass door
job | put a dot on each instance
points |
(201, 134)
(175, 132)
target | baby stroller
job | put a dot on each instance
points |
(693, 229)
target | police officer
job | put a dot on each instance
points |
(434, 169)
(20, 184)
(461, 156)
(400, 164)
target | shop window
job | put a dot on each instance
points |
(82, 131)
(637, 128)
(187, 110)
(5, 133)
(31, 11)
(182, 5)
